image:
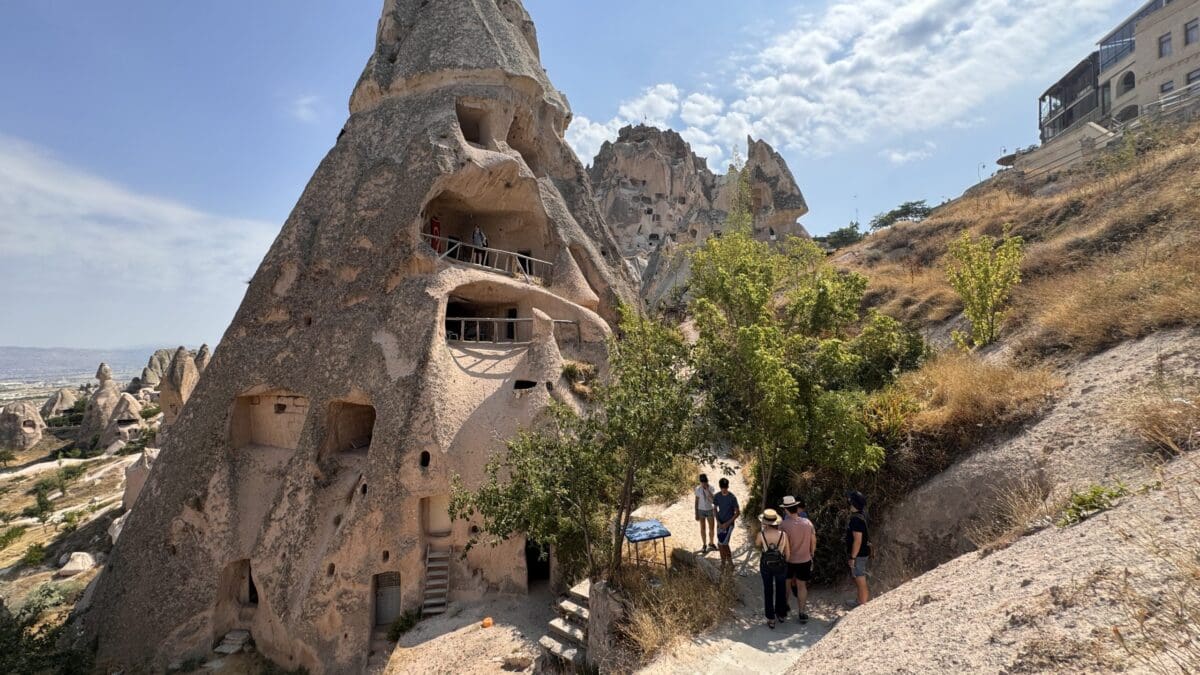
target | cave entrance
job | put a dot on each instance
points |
(537, 562)
(494, 231)
(268, 420)
(387, 598)
(483, 322)
(350, 428)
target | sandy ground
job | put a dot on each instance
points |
(744, 644)
(456, 642)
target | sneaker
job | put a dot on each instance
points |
(803, 618)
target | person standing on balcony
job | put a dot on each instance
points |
(479, 241)
(435, 229)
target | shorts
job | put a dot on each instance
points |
(860, 566)
(723, 536)
(800, 571)
(702, 514)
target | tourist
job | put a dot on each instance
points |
(773, 566)
(435, 231)
(858, 544)
(479, 241)
(704, 514)
(728, 511)
(802, 545)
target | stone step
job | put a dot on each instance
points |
(437, 565)
(433, 608)
(566, 630)
(437, 574)
(574, 611)
(436, 592)
(571, 653)
(580, 591)
(438, 555)
(437, 583)
(239, 635)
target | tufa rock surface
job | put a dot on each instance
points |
(177, 384)
(300, 490)
(125, 423)
(135, 478)
(59, 402)
(99, 409)
(202, 358)
(21, 426)
(659, 198)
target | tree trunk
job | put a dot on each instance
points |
(623, 516)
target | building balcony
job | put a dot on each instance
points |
(509, 263)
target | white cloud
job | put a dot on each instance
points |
(305, 108)
(585, 136)
(118, 266)
(898, 157)
(878, 72)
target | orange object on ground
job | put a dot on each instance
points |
(487, 622)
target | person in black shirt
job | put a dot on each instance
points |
(858, 544)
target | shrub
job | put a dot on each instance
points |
(1015, 509)
(34, 555)
(581, 375)
(7, 457)
(666, 608)
(1167, 416)
(150, 411)
(983, 272)
(10, 535)
(406, 622)
(888, 415)
(70, 521)
(1083, 505)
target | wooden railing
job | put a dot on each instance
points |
(498, 330)
(507, 262)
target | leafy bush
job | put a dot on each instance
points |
(7, 457)
(30, 644)
(983, 272)
(70, 521)
(10, 535)
(34, 555)
(1083, 505)
(406, 622)
(150, 411)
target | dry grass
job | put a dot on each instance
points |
(960, 397)
(1016, 510)
(664, 608)
(1166, 415)
(1112, 255)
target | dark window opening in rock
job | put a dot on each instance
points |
(337, 520)
(123, 423)
(522, 139)
(330, 569)
(649, 212)
(537, 562)
(364, 488)
(524, 261)
(654, 236)
(308, 321)
(549, 386)
(474, 529)
(521, 385)
(387, 598)
(236, 587)
(490, 323)
(251, 590)
(435, 516)
(30, 424)
(425, 457)
(350, 427)
(471, 121)
(386, 555)
(272, 420)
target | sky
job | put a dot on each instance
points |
(150, 151)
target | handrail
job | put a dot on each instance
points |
(497, 259)
(486, 330)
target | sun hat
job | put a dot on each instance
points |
(789, 501)
(770, 517)
(857, 499)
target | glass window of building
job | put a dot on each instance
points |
(1166, 87)
(1164, 46)
(1191, 32)
(1194, 76)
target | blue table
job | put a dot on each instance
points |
(652, 531)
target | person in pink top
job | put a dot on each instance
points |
(803, 535)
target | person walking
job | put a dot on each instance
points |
(704, 514)
(802, 541)
(726, 504)
(858, 544)
(772, 565)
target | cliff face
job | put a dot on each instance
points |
(659, 198)
(302, 492)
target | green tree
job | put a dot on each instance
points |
(843, 236)
(564, 484)
(7, 456)
(983, 271)
(908, 211)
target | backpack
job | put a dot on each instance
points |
(772, 558)
(866, 535)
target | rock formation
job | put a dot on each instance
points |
(374, 357)
(99, 408)
(149, 378)
(21, 426)
(59, 402)
(124, 423)
(659, 198)
(158, 363)
(135, 477)
(177, 384)
(202, 358)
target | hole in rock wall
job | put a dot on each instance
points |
(494, 322)
(272, 420)
(521, 385)
(386, 555)
(364, 489)
(29, 424)
(350, 427)
(435, 515)
(236, 586)
(330, 569)
(425, 459)
(472, 121)
(521, 137)
(308, 321)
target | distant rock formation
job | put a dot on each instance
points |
(125, 423)
(149, 378)
(59, 402)
(177, 384)
(202, 358)
(104, 373)
(660, 198)
(159, 361)
(21, 426)
(300, 491)
(99, 408)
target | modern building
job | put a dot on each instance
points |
(1149, 64)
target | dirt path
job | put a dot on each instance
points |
(744, 644)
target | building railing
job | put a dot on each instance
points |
(1163, 106)
(499, 330)
(513, 264)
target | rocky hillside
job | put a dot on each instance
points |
(986, 564)
(659, 198)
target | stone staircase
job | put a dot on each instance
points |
(567, 639)
(437, 581)
(233, 642)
